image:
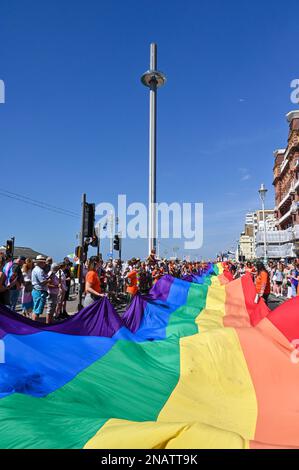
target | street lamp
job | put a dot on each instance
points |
(262, 193)
(153, 79)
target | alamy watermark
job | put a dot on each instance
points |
(2, 92)
(2, 351)
(176, 220)
(295, 92)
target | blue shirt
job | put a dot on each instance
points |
(37, 277)
(295, 273)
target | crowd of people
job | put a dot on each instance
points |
(278, 278)
(36, 284)
(41, 285)
(117, 279)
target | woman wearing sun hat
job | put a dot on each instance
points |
(39, 280)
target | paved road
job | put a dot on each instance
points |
(274, 302)
(72, 307)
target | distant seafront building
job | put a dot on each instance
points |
(246, 241)
(251, 239)
(245, 247)
(286, 185)
(255, 221)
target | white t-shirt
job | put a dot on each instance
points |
(60, 275)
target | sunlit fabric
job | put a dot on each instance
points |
(191, 365)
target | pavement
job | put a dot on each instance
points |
(274, 302)
(72, 307)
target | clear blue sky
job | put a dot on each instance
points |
(76, 115)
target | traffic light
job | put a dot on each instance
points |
(89, 215)
(116, 243)
(9, 248)
(94, 241)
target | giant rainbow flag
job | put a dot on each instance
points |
(192, 365)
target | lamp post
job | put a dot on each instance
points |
(153, 80)
(262, 193)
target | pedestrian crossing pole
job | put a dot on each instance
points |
(99, 240)
(111, 229)
(13, 239)
(120, 246)
(81, 257)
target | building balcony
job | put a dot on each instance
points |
(289, 194)
(285, 217)
(285, 162)
(292, 211)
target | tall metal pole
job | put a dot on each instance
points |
(81, 260)
(152, 79)
(265, 233)
(152, 151)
